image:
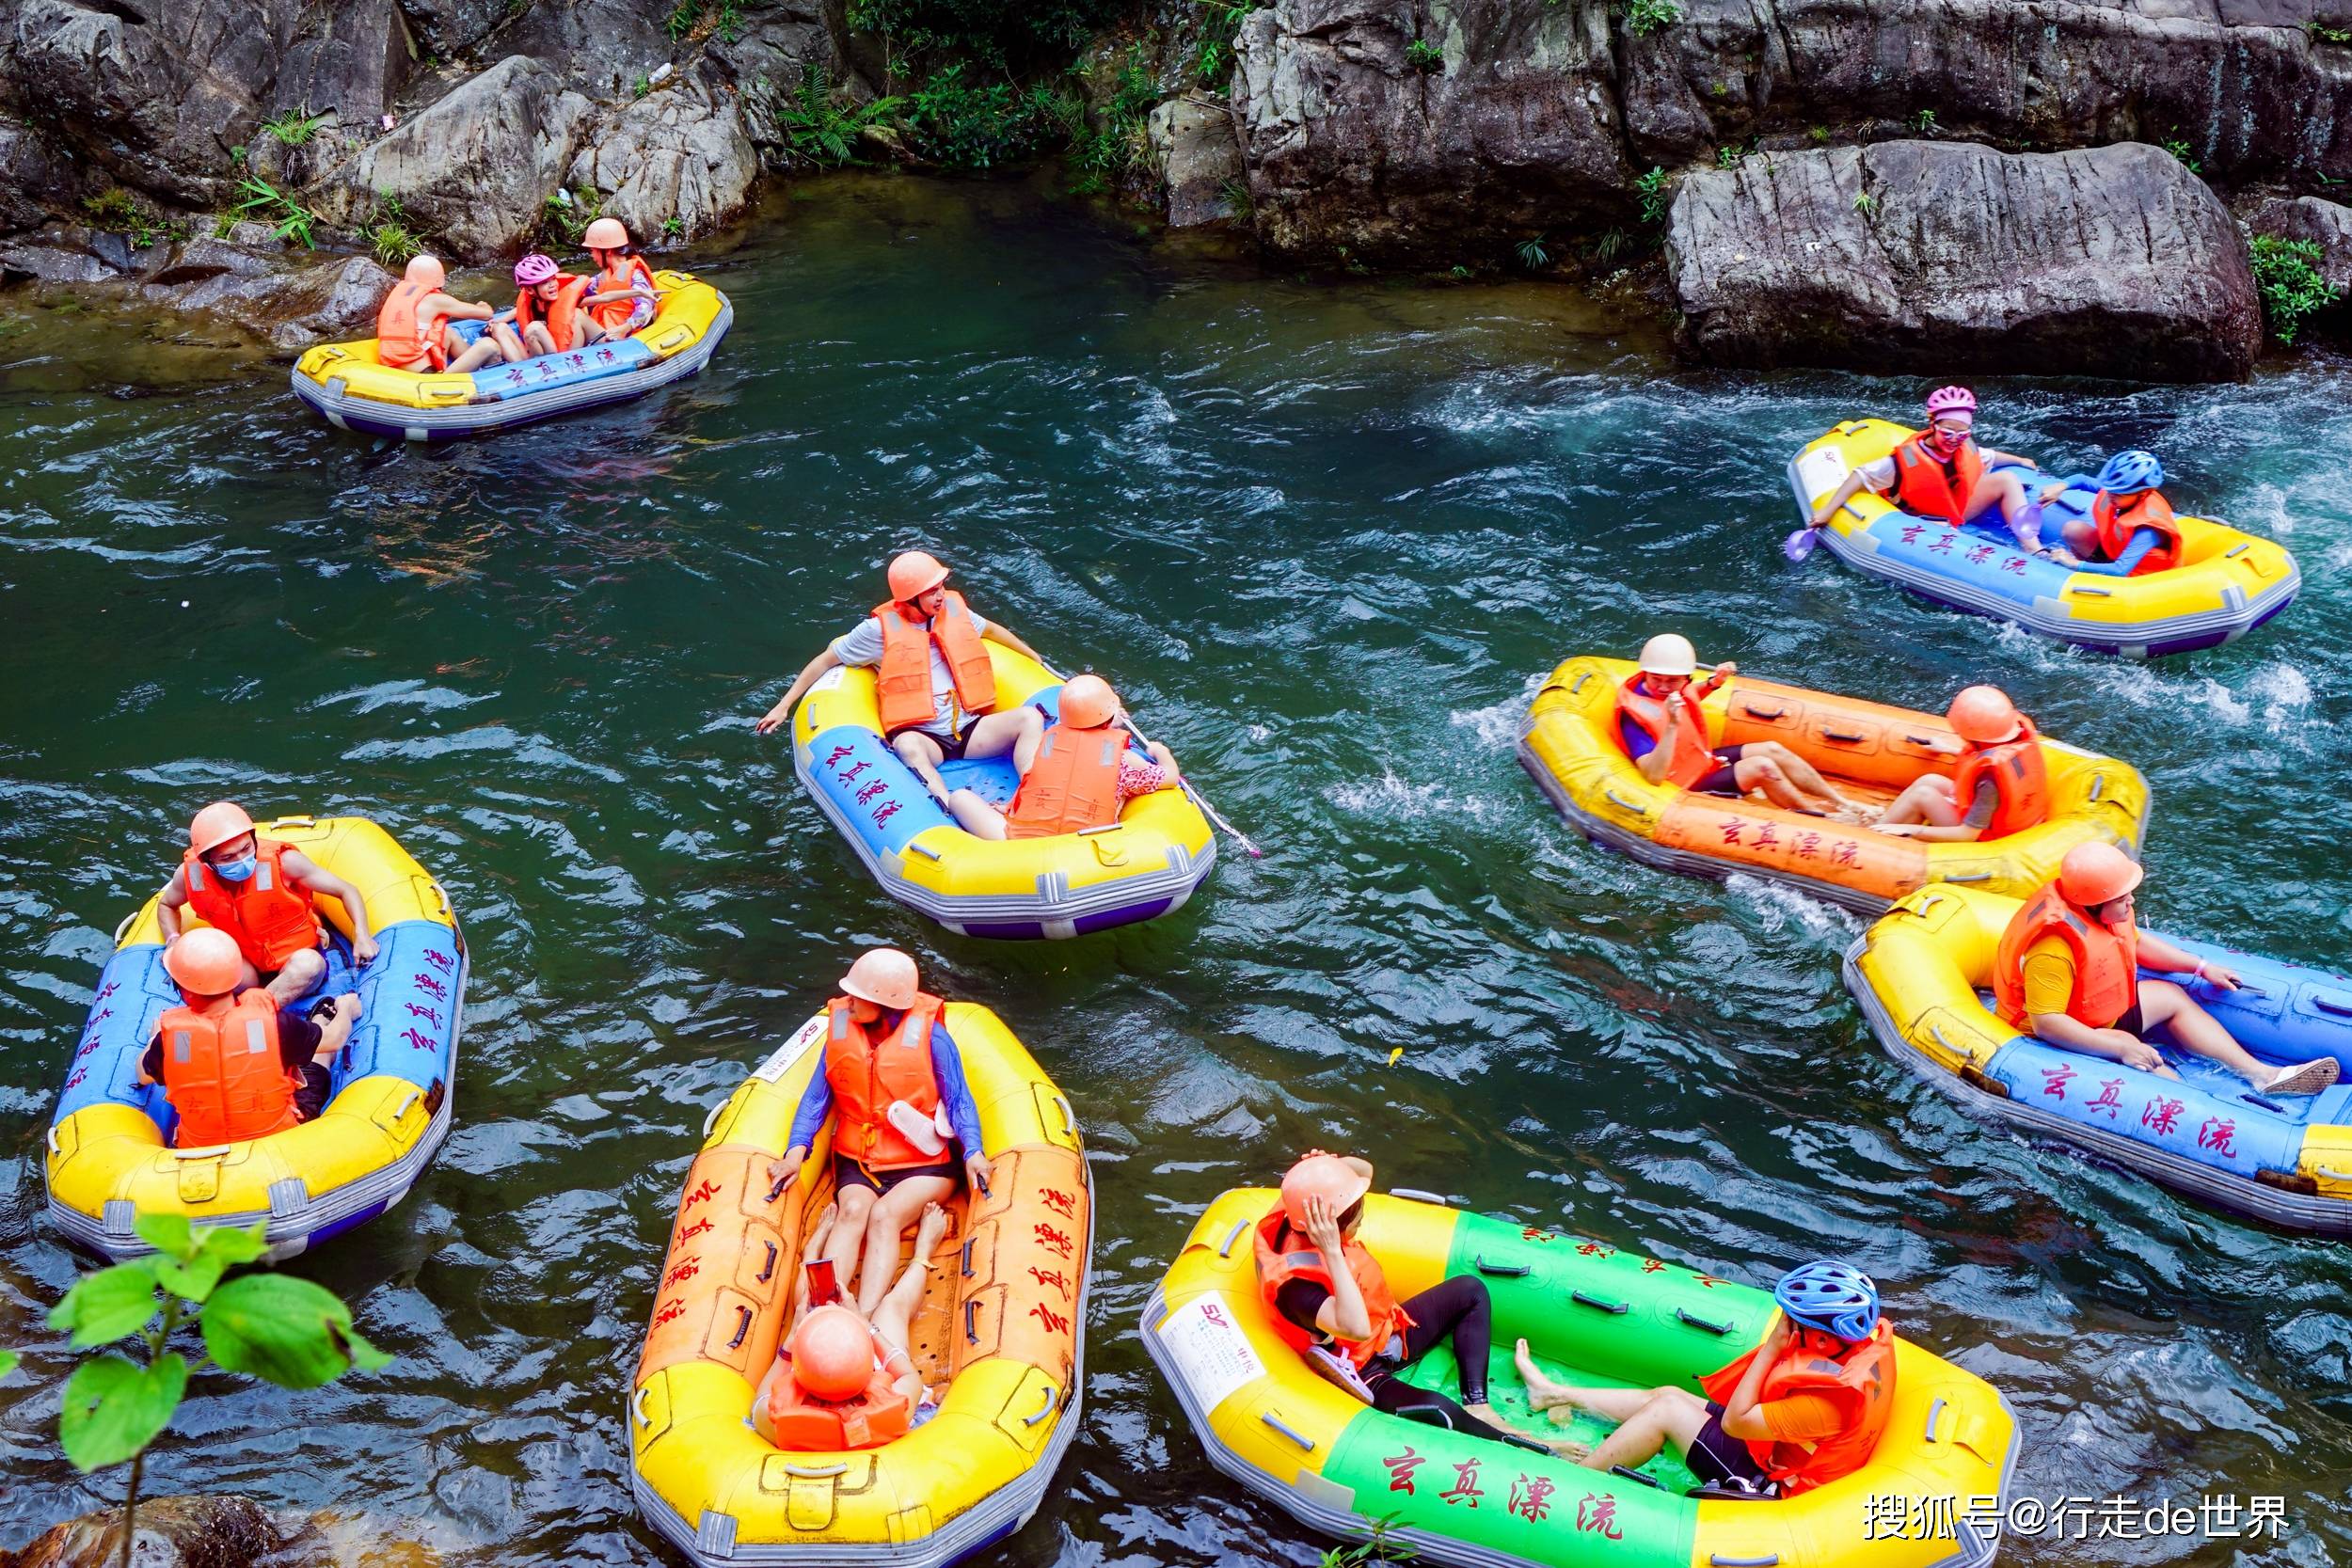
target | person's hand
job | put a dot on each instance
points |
(2225, 978)
(1725, 671)
(978, 1171)
(2049, 494)
(784, 1170)
(773, 720)
(1323, 1227)
(2065, 557)
(1897, 829)
(363, 949)
(1775, 1337)
(2134, 1052)
(347, 1006)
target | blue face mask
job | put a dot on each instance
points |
(236, 871)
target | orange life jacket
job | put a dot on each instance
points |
(401, 339)
(867, 1074)
(626, 271)
(224, 1074)
(2107, 961)
(1277, 1268)
(904, 682)
(270, 917)
(1922, 484)
(805, 1424)
(2117, 524)
(1691, 759)
(2020, 776)
(561, 318)
(1862, 1384)
(1073, 785)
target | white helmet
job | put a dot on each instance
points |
(1669, 654)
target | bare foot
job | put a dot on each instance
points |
(819, 1234)
(1557, 1445)
(927, 1231)
(1542, 1393)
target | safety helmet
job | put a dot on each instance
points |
(2096, 872)
(217, 824)
(1088, 702)
(1984, 714)
(1669, 654)
(915, 573)
(1338, 1182)
(833, 1352)
(1952, 400)
(426, 272)
(534, 269)
(205, 961)
(1836, 1298)
(2129, 472)
(604, 234)
(884, 976)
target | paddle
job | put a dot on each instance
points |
(1183, 783)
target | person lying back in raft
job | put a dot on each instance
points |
(625, 299)
(548, 308)
(232, 1062)
(2002, 776)
(893, 1073)
(412, 327)
(2068, 970)
(2131, 531)
(1802, 1409)
(260, 891)
(937, 688)
(1663, 730)
(1083, 775)
(840, 1383)
(1942, 473)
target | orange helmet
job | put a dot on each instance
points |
(1338, 1180)
(205, 961)
(217, 824)
(833, 1354)
(426, 272)
(1984, 715)
(1088, 702)
(915, 573)
(2095, 873)
(604, 234)
(884, 976)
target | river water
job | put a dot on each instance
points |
(1326, 537)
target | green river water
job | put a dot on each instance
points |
(1326, 537)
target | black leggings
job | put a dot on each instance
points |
(1458, 1308)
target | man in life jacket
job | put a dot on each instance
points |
(260, 891)
(1802, 1409)
(549, 315)
(1943, 474)
(2068, 970)
(412, 327)
(624, 297)
(894, 1076)
(2002, 776)
(2130, 530)
(937, 687)
(1083, 776)
(233, 1064)
(838, 1383)
(1663, 728)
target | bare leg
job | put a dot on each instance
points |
(819, 1235)
(248, 975)
(894, 1318)
(922, 754)
(1670, 1415)
(1928, 798)
(303, 971)
(976, 815)
(1610, 1404)
(2161, 1002)
(485, 349)
(1763, 774)
(2083, 539)
(848, 1233)
(537, 340)
(890, 1217)
(2004, 489)
(1019, 732)
(1800, 772)
(510, 346)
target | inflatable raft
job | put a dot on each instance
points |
(110, 1156)
(1064, 886)
(1003, 1328)
(1593, 1314)
(1923, 975)
(1870, 752)
(2228, 582)
(345, 383)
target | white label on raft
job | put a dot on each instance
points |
(831, 678)
(1210, 1349)
(779, 1061)
(1821, 470)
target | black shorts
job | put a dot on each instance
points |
(950, 748)
(317, 1083)
(849, 1173)
(1718, 1459)
(2131, 1023)
(1722, 780)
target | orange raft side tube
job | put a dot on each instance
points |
(1869, 750)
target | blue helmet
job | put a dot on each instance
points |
(2129, 472)
(1836, 1298)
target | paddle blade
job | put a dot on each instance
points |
(1800, 544)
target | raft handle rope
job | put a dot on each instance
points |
(967, 1256)
(816, 1472)
(1719, 1561)
(1270, 1418)
(1416, 1195)
(1230, 1237)
(1634, 806)
(1749, 707)
(1069, 1118)
(637, 1405)
(1630, 1474)
(54, 1147)
(1969, 877)
(2235, 550)
(1925, 905)
(125, 923)
(1578, 685)
(408, 1099)
(1052, 1398)
(1683, 1314)
(768, 1270)
(1846, 738)
(712, 1118)
(1615, 1308)
(211, 1151)
(2333, 1175)
(1182, 782)
(971, 1335)
(1508, 1271)
(2098, 787)
(2095, 593)
(1934, 1410)
(2322, 999)
(1106, 828)
(2252, 1099)
(742, 1328)
(925, 850)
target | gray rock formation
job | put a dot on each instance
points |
(678, 153)
(1935, 258)
(2326, 223)
(289, 299)
(1198, 159)
(172, 1532)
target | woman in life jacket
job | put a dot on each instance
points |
(2130, 530)
(547, 309)
(1942, 473)
(1802, 1409)
(2001, 786)
(232, 1062)
(2068, 970)
(624, 299)
(1663, 730)
(412, 325)
(260, 891)
(841, 1382)
(1084, 773)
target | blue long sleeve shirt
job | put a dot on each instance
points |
(947, 1066)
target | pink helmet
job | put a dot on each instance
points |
(1952, 400)
(534, 269)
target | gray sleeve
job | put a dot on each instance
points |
(1982, 805)
(861, 645)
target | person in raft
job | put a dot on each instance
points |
(2002, 777)
(260, 891)
(1942, 473)
(1802, 1409)
(2131, 531)
(624, 299)
(2068, 969)
(937, 688)
(412, 327)
(1083, 775)
(1663, 730)
(840, 1382)
(894, 1076)
(234, 1063)
(549, 315)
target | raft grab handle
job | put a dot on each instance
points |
(1509, 1270)
(54, 1147)
(2333, 1175)
(637, 1405)
(406, 1101)
(1629, 805)
(2085, 588)
(1616, 1308)
(923, 850)
(1578, 685)
(776, 1191)
(1719, 1561)
(1052, 1398)
(1753, 712)
(742, 1328)
(1636, 1475)
(2236, 550)
(1934, 1410)
(1416, 1195)
(971, 1335)
(1969, 877)
(1106, 828)
(2098, 787)
(1230, 1237)
(1683, 1314)
(711, 1119)
(815, 1472)
(768, 1270)
(1270, 1418)
(2325, 1003)
(967, 1258)
(2252, 1099)
(1846, 736)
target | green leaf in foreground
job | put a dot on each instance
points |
(7, 1362)
(107, 1305)
(114, 1408)
(170, 1234)
(287, 1330)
